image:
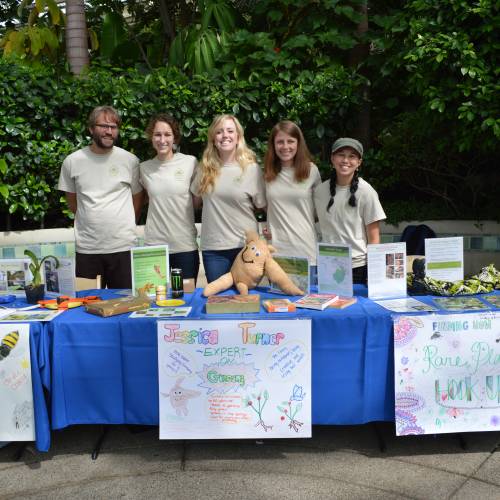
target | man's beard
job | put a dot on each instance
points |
(98, 141)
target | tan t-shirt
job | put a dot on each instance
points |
(104, 185)
(290, 213)
(346, 224)
(170, 213)
(228, 208)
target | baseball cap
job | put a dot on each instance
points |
(344, 142)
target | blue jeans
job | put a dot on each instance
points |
(189, 262)
(218, 262)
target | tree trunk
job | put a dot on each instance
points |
(77, 50)
(356, 56)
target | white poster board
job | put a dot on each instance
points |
(17, 421)
(386, 270)
(14, 275)
(335, 269)
(447, 373)
(150, 268)
(226, 379)
(444, 258)
(59, 280)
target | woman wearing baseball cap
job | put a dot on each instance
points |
(348, 208)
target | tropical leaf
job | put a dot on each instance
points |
(113, 33)
(55, 12)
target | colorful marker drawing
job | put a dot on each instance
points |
(406, 421)
(290, 411)
(23, 415)
(258, 408)
(179, 397)
(405, 329)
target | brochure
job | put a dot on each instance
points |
(343, 302)
(460, 303)
(494, 300)
(24, 316)
(405, 305)
(444, 258)
(60, 280)
(297, 269)
(150, 268)
(318, 301)
(335, 269)
(387, 270)
(162, 312)
(14, 275)
(278, 305)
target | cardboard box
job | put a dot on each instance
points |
(123, 305)
(233, 304)
(278, 305)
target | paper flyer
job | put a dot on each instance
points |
(444, 258)
(17, 421)
(150, 268)
(460, 303)
(234, 379)
(27, 316)
(59, 280)
(387, 270)
(161, 312)
(14, 275)
(405, 305)
(335, 269)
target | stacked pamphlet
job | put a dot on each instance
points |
(278, 305)
(343, 302)
(318, 301)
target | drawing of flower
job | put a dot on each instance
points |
(495, 420)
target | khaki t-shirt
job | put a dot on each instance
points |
(346, 224)
(228, 208)
(170, 213)
(290, 213)
(104, 185)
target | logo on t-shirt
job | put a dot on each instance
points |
(114, 170)
(238, 180)
(179, 174)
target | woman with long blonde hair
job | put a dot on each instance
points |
(231, 187)
(290, 178)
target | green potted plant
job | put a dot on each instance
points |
(35, 290)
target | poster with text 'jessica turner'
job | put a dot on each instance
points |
(227, 379)
(447, 373)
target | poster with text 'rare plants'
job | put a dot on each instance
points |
(447, 373)
(234, 379)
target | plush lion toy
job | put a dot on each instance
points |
(251, 264)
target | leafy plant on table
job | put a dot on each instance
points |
(36, 266)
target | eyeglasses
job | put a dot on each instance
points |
(106, 127)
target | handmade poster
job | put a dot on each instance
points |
(161, 312)
(17, 421)
(447, 373)
(59, 280)
(29, 315)
(232, 379)
(444, 258)
(14, 275)
(150, 268)
(297, 269)
(335, 269)
(387, 270)
(405, 305)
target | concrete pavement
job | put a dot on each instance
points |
(338, 462)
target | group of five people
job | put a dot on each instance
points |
(107, 186)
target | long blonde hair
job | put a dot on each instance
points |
(211, 164)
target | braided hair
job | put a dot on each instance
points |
(352, 188)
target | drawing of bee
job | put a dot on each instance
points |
(8, 343)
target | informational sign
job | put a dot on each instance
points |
(447, 373)
(59, 280)
(150, 268)
(335, 269)
(386, 270)
(444, 258)
(229, 379)
(297, 269)
(17, 421)
(14, 275)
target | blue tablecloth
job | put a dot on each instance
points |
(105, 370)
